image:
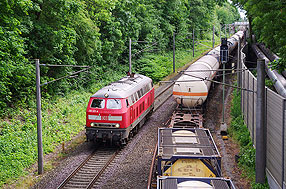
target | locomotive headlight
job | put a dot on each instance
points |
(92, 124)
(117, 125)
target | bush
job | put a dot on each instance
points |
(241, 134)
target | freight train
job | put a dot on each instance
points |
(192, 88)
(187, 156)
(117, 111)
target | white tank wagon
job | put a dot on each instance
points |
(191, 89)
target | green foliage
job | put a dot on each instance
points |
(278, 65)
(154, 66)
(235, 106)
(268, 21)
(82, 32)
(227, 14)
(18, 136)
(62, 118)
(241, 134)
(15, 70)
(63, 33)
(268, 82)
(158, 66)
(93, 33)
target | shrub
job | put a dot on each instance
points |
(241, 134)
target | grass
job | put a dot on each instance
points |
(240, 133)
(60, 121)
(63, 117)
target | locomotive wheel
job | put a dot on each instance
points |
(135, 130)
(122, 142)
(130, 135)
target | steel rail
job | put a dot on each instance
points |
(152, 167)
(164, 90)
(76, 170)
(91, 181)
(161, 101)
(97, 176)
(160, 104)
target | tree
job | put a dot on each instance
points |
(15, 69)
(268, 19)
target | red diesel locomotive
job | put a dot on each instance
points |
(117, 110)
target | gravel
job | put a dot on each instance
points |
(227, 148)
(131, 166)
(64, 167)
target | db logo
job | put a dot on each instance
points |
(104, 117)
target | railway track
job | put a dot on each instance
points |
(162, 95)
(90, 170)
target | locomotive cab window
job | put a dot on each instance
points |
(97, 103)
(113, 104)
(136, 96)
(139, 94)
(142, 92)
(150, 85)
(133, 98)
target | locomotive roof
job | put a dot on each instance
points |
(124, 87)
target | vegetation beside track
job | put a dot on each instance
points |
(62, 117)
(240, 133)
(84, 32)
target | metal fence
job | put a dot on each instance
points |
(275, 120)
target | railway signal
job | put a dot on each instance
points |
(223, 60)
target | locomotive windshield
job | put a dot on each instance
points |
(98, 103)
(113, 104)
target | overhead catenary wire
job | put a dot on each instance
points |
(250, 62)
(141, 42)
(153, 44)
(244, 69)
(204, 45)
(74, 73)
(230, 73)
(205, 79)
(59, 65)
(233, 86)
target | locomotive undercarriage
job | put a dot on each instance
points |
(117, 136)
(99, 135)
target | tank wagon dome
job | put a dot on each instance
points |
(123, 87)
(194, 185)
